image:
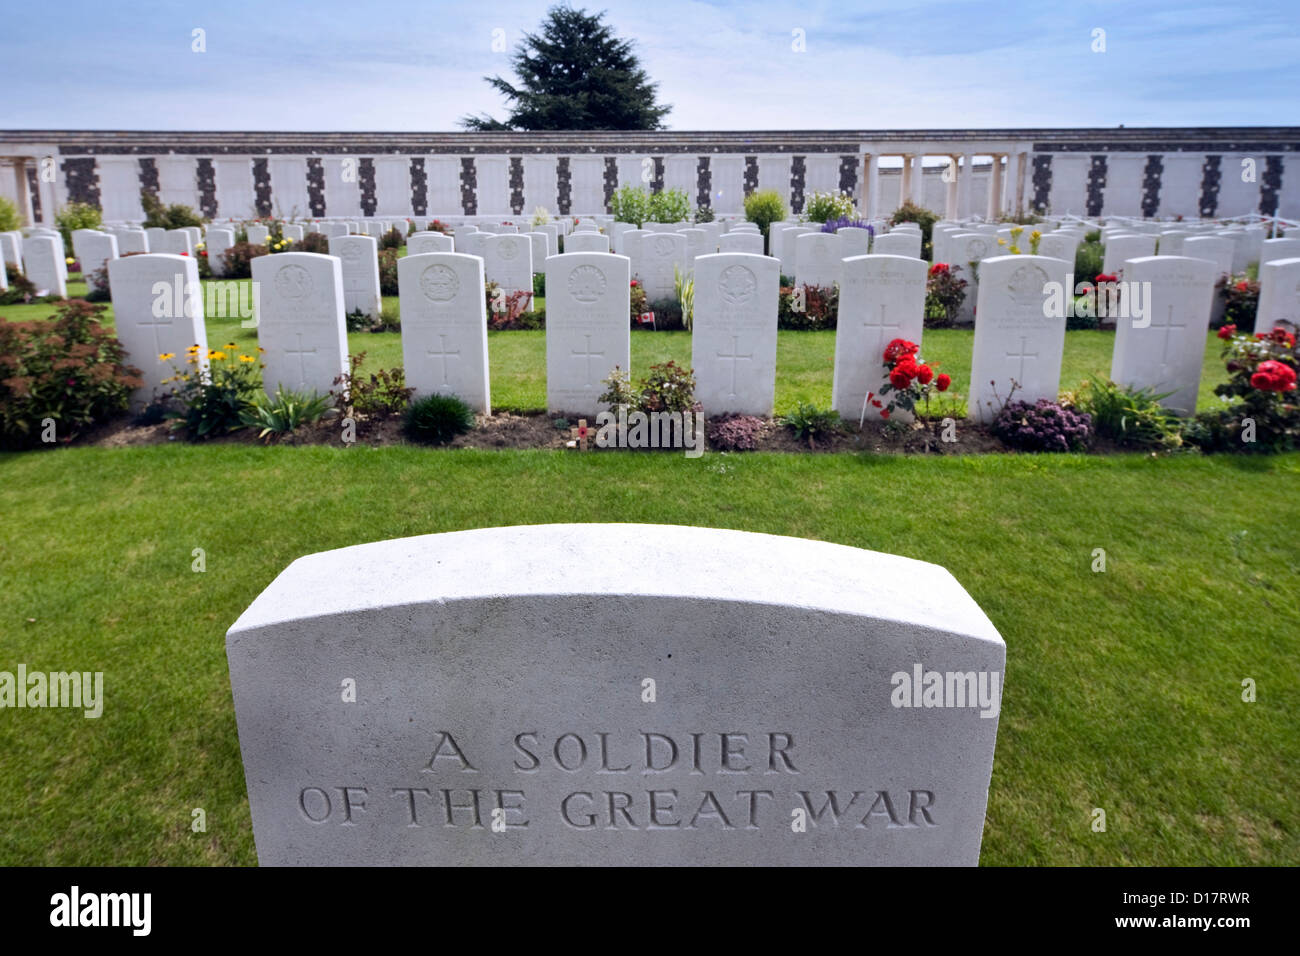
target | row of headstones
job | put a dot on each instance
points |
(300, 308)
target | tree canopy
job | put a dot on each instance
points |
(575, 74)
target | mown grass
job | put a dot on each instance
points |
(805, 361)
(1123, 688)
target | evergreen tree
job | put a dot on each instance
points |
(575, 74)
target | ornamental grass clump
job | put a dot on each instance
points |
(437, 419)
(1043, 426)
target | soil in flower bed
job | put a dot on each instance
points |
(549, 430)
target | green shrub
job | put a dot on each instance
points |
(437, 419)
(388, 271)
(1088, 260)
(670, 205)
(808, 307)
(238, 259)
(628, 204)
(313, 242)
(392, 239)
(945, 292)
(764, 207)
(911, 212)
(669, 316)
(69, 369)
(1263, 414)
(539, 285)
(21, 289)
(821, 207)
(285, 412)
(1240, 296)
(668, 388)
(808, 422)
(704, 214)
(10, 219)
(77, 215)
(174, 216)
(382, 392)
(1130, 417)
(215, 402)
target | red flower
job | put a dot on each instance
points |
(884, 413)
(899, 378)
(633, 283)
(1273, 376)
(942, 382)
(1227, 332)
(1242, 286)
(185, 253)
(924, 374)
(899, 348)
(939, 268)
(1102, 277)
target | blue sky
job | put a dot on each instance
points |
(403, 65)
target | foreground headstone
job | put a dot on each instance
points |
(1164, 350)
(1015, 340)
(881, 298)
(158, 310)
(444, 326)
(733, 337)
(588, 330)
(300, 323)
(359, 256)
(530, 696)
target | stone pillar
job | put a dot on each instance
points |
(871, 186)
(964, 190)
(950, 199)
(905, 184)
(1018, 189)
(995, 188)
(918, 179)
(22, 194)
(49, 192)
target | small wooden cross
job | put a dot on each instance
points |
(581, 432)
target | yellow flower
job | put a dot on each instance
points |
(1016, 231)
(1002, 242)
(231, 345)
(71, 260)
(1015, 250)
(192, 350)
(163, 357)
(1035, 235)
(260, 349)
(217, 354)
(247, 358)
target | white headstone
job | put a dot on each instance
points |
(818, 257)
(300, 320)
(854, 241)
(508, 261)
(96, 250)
(423, 243)
(292, 232)
(798, 669)
(1014, 339)
(1171, 242)
(733, 337)
(1279, 294)
(552, 231)
(1217, 249)
(1122, 248)
(258, 235)
(132, 240)
(882, 298)
(444, 326)
(1165, 349)
(746, 242)
(898, 243)
(157, 310)
(698, 243)
(590, 241)
(359, 256)
(538, 239)
(588, 327)
(1271, 249)
(662, 257)
(471, 243)
(1055, 245)
(11, 246)
(219, 239)
(44, 266)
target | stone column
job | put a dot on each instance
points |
(964, 190)
(918, 179)
(995, 188)
(49, 191)
(1022, 170)
(950, 200)
(905, 184)
(871, 186)
(22, 194)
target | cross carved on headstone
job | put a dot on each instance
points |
(588, 355)
(157, 344)
(1169, 325)
(302, 354)
(735, 358)
(1022, 355)
(444, 354)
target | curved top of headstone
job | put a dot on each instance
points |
(610, 559)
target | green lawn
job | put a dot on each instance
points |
(805, 360)
(1122, 689)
